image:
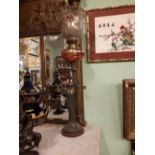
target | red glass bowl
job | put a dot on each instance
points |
(72, 56)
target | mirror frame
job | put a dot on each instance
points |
(28, 28)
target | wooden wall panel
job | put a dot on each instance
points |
(39, 18)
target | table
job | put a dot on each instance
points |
(54, 143)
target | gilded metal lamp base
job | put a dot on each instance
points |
(72, 129)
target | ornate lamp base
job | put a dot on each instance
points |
(72, 129)
(72, 55)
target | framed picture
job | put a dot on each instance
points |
(32, 61)
(111, 34)
(34, 46)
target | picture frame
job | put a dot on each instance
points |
(129, 109)
(111, 34)
(34, 61)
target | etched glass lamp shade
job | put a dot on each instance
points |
(72, 23)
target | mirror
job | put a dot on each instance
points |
(42, 19)
(57, 101)
(44, 71)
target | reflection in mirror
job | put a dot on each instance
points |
(42, 55)
(57, 96)
(29, 58)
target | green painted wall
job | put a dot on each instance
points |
(103, 95)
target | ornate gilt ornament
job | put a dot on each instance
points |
(40, 17)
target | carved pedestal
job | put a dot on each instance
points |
(27, 138)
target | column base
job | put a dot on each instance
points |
(72, 129)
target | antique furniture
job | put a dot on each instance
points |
(41, 18)
(33, 99)
(27, 138)
(129, 111)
